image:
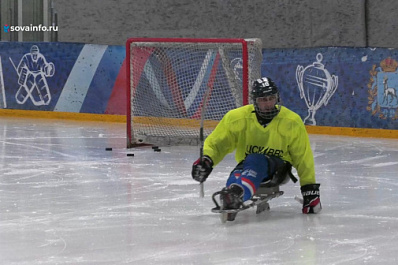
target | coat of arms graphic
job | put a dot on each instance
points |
(382, 90)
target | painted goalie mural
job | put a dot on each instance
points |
(33, 71)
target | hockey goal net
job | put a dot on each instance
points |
(168, 78)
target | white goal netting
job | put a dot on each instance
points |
(167, 81)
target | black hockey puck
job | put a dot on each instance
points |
(157, 150)
(155, 147)
(108, 149)
(130, 154)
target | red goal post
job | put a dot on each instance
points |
(167, 79)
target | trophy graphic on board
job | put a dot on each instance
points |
(316, 86)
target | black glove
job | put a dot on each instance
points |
(202, 168)
(311, 200)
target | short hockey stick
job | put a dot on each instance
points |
(201, 134)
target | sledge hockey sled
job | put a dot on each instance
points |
(260, 199)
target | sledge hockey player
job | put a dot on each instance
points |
(268, 139)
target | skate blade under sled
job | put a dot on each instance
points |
(260, 200)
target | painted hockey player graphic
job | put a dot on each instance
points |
(33, 70)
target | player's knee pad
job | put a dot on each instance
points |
(279, 170)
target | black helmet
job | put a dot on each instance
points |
(264, 87)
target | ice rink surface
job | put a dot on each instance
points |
(65, 200)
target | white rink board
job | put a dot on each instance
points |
(65, 200)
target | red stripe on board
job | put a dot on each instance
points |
(117, 101)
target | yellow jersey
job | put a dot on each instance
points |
(285, 137)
